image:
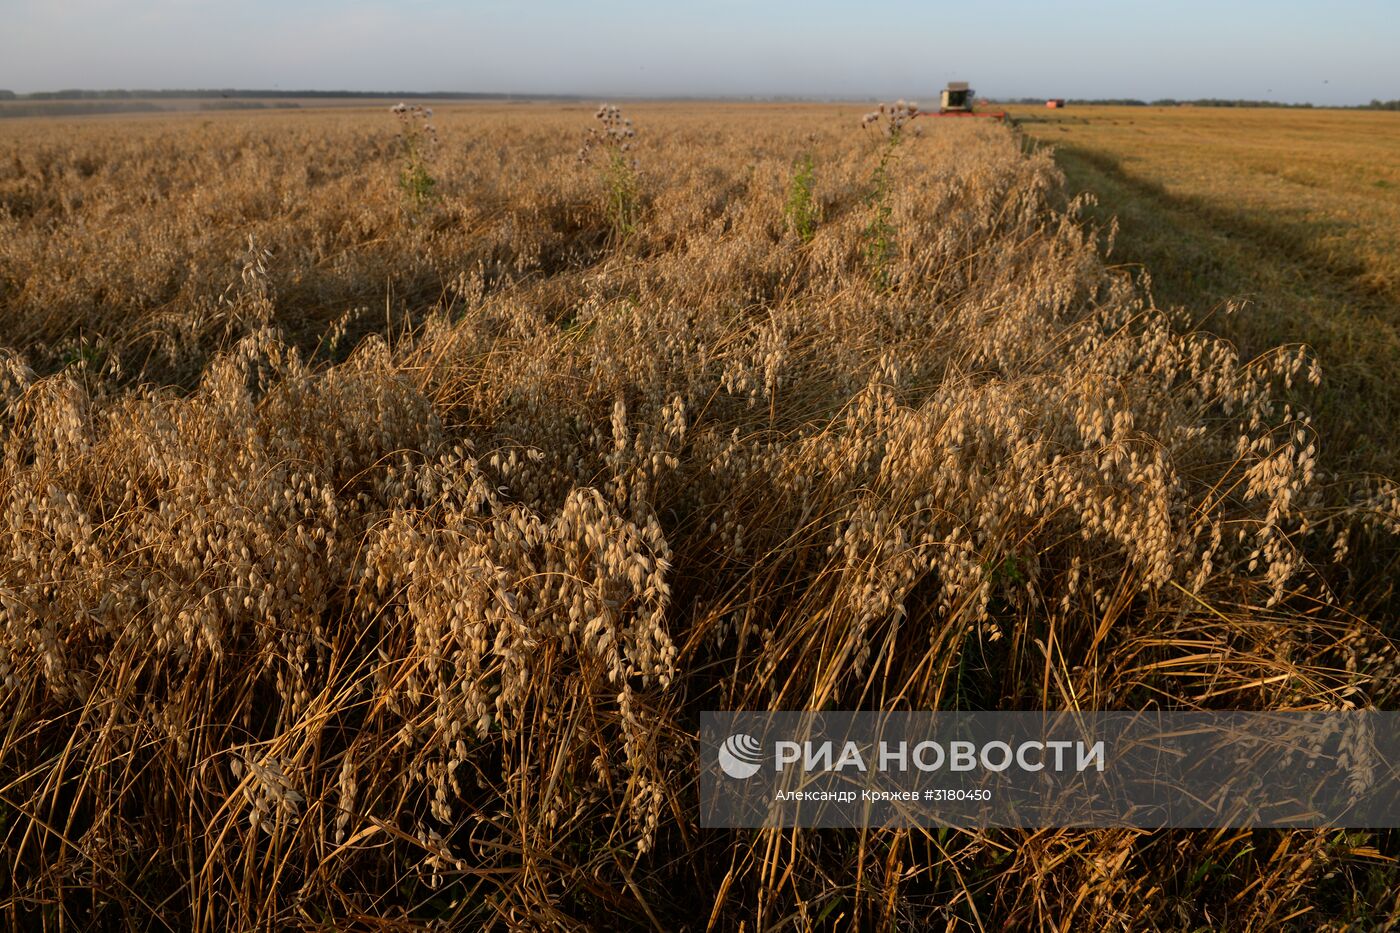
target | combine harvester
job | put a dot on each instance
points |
(957, 100)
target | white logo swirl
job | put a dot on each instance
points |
(740, 756)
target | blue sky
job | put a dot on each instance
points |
(1328, 53)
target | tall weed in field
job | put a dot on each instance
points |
(801, 208)
(610, 143)
(889, 123)
(419, 139)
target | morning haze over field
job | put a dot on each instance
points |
(387, 488)
(1328, 54)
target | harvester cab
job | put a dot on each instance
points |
(957, 97)
(958, 100)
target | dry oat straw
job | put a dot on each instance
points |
(366, 559)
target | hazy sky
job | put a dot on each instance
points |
(1329, 53)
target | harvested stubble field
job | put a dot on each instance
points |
(377, 519)
(1294, 215)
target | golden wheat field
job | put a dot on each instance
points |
(380, 505)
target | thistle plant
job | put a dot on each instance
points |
(609, 145)
(878, 237)
(801, 208)
(420, 140)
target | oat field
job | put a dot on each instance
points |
(380, 505)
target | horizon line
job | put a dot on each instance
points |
(71, 93)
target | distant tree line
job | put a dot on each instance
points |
(80, 109)
(1222, 102)
(78, 94)
(1160, 102)
(1200, 102)
(1098, 101)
